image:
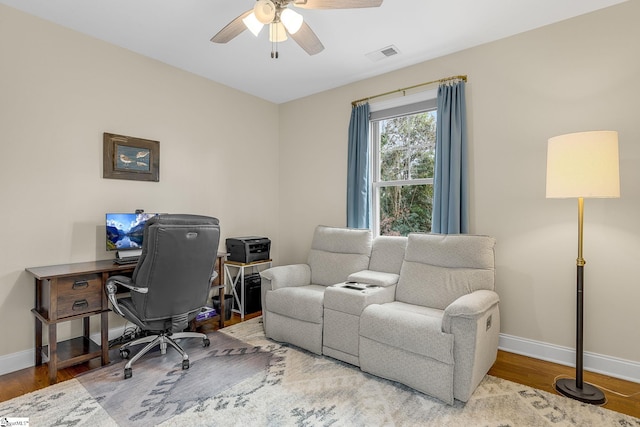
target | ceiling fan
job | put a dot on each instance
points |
(284, 21)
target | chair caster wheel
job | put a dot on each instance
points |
(127, 373)
(206, 342)
(185, 364)
(125, 353)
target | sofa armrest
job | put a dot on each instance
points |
(286, 276)
(377, 278)
(469, 306)
(474, 321)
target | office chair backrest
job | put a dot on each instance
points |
(176, 265)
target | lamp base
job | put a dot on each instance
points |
(587, 394)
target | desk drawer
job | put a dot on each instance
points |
(78, 295)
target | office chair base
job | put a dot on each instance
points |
(159, 340)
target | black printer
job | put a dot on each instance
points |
(248, 249)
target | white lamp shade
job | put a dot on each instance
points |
(583, 164)
(292, 20)
(252, 23)
(277, 33)
(265, 11)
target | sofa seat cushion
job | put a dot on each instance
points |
(409, 327)
(299, 302)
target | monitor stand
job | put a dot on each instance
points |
(131, 253)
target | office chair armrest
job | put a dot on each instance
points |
(112, 288)
(127, 283)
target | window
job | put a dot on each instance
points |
(403, 139)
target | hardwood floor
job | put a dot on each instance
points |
(541, 375)
(509, 366)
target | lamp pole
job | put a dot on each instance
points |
(577, 389)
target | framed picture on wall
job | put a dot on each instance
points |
(126, 157)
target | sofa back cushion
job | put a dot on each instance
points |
(337, 252)
(387, 254)
(439, 268)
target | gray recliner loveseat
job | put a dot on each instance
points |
(423, 310)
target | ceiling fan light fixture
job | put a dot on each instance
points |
(264, 11)
(291, 19)
(252, 23)
(277, 33)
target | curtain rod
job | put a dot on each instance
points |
(357, 101)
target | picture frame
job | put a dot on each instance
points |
(126, 157)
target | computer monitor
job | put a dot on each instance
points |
(124, 231)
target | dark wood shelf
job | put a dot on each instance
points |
(74, 351)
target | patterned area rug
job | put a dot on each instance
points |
(159, 389)
(244, 379)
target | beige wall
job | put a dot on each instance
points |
(59, 91)
(578, 75)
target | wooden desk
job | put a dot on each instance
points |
(76, 291)
(68, 292)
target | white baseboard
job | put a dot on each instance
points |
(593, 362)
(26, 358)
(607, 365)
(16, 361)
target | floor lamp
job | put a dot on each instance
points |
(582, 165)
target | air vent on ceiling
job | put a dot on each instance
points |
(383, 53)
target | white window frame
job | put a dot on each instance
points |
(403, 106)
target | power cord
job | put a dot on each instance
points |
(129, 334)
(626, 396)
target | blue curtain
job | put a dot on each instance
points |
(450, 184)
(358, 175)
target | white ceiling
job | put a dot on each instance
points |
(177, 32)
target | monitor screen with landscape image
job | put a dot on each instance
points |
(124, 231)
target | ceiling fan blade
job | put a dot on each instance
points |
(336, 4)
(307, 39)
(232, 29)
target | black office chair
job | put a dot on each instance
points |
(170, 283)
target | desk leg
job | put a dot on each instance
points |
(104, 337)
(85, 327)
(37, 305)
(53, 353)
(38, 355)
